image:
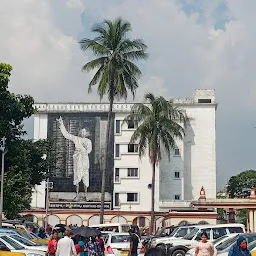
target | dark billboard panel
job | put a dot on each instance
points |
(78, 155)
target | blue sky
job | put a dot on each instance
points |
(192, 44)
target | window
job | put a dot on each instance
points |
(218, 232)
(120, 238)
(176, 152)
(117, 177)
(132, 172)
(132, 148)
(132, 124)
(225, 244)
(177, 175)
(12, 243)
(235, 230)
(204, 101)
(116, 199)
(132, 197)
(22, 240)
(117, 150)
(182, 232)
(176, 197)
(118, 130)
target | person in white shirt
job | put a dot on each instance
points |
(66, 246)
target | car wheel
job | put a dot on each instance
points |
(178, 253)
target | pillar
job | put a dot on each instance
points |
(251, 221)
(254, 217)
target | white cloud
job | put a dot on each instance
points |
(39, 38)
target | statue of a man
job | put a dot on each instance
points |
(83, 147)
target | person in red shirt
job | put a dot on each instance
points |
(78, 248)
(52, 245)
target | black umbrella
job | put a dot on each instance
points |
(86, 232)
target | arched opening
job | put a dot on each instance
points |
(203, 222)
(74, 220)
(30, 217)
(183, 223)
(53, 220)
(119, 219)
(159, 223)
(94, 220)
(141, 221)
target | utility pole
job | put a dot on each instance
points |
(3, 149)
(47, 194)
(47, 203)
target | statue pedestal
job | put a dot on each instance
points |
(70, 197)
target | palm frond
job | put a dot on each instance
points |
(96, 63)
(158, 126)
(96, 78)
(116, 53)
(97, 48)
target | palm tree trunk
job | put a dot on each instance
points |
(152, 224)
(103, 177)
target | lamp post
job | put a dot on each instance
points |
(47, 204)
(3, 149)
(46, 197)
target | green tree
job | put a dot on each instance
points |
(24, 166)
(221, 212)
(158, 129)
(116, 72)
(241, 184)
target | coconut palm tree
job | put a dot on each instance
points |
(116, 73)
(160, 125)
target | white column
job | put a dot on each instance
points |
(251, 222)
(254, 217)
(182, 186)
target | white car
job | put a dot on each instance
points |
(27, 244)
(216, 242)
(118, 244)
(190, 240)
(6, 242)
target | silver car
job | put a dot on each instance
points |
(27, 244)
(118, 244)
(7, 242)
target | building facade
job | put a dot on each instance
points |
(178, 181)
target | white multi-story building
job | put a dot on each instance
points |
(178, 181)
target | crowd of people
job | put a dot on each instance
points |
(75, 245)
(67, 245)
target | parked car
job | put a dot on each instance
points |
(224, 248)
(191, 239)
(32, 237)
(118, 244)
(216, 242)
(38, 240)
(8, 244)
(27, 244)
(172, 232)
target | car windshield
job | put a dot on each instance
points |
(173, 232)
(34, 236)
(251, 245)
(23, 240)
(219, 239)
(227, 243)
(191, 234)
(120, 239)
(12, 243)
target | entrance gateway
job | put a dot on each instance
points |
(231, 203)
